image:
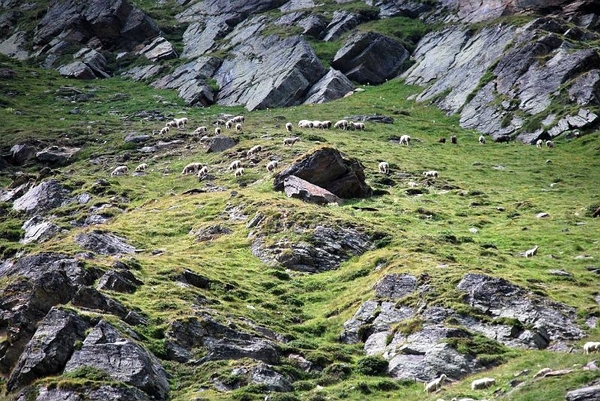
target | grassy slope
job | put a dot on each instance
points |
(310, 309)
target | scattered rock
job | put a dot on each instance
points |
(104, 243)
(56, 154)
(395, 286)
(38, 230)
(211, 233)
(46, 196)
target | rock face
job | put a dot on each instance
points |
(295, 187)
(370, 58)
(124, 360)
(329, 169)
(44, 197)
(473, 11)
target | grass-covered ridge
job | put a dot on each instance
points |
(496, 188)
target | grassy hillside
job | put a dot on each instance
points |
(496, 188)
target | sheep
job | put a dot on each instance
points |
(384, 167)
(288, 127)
(326, 124)
(351, 126)
(218, 131)
(539, 143)
(234, 164)
(453, 139)
(290, 141)
(253, 150)
(305, 124)
(317, 124)
(596, 212)
(549, 144)
(120, 170)
(502, 138)
(272, 165)
(342, 124)
(442, 140)
(164, 131)
(180, 122)
(171, 124)
(435, 384)
(141, 167)
(238, 119)
(228, 124)
(201, 130)
(191, 168)
(202, 173)
(239, 172)
(591, 346)
(238, 127)
(530, 252)
(482, 383)
(431, 173)
(482, 139)
(359, 126)
(219, 122)
(404, 140)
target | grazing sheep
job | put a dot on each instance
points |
(596, 212)
(435, 384)
(229, 124)
(191, 168)
(539, 143)
(591, 346)
(442, 140)
(305, 124)
(238, 127)
(454, 139)
(288, 127)
(482, 139)
(549, 144)
(120, 170)
(219, 122)
(480, 384)
(171, 124)
(218, 131)
(530, 252)
(234, 164)
(291, 141)
(342, 124)
(164, 130)
(502, 138)
(359, 126)
(317, 124)
(272, 165)
(202, 173)
(253, 150)
(326, 124)
(239, 172)
(384, 167)
(180, 122)
(404, 140)
(238, 119)
(141, 167)
(431, 173)
(201, 130)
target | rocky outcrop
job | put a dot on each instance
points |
(333, 85)
(295, 187)
(473, 11)
(38, 230)
(589, 393)
(91, 393)
(328, 168)
(104, 243)
(56, 154)
(21, 152)
(46, 196)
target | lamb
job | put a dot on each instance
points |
(431, 173)
(435, 384)
(164, 131)
(142, 167)
(482, 139)
(288, 127)
(317, 124)
(539, 143)
(404, 140)
(238, 127)
(239, 172)
(453, 139)
(530, 252)
(253, 150)
(234, 165)
(219, 122)
(485, 382)
(351, 126)
(180, 122)
(384, 167)
(342, 124)
(202, 173)
(591, 346)
(549, 144)
(191, 168)
(290, 141)
(201, 130)
(120, 170)
(272, 165)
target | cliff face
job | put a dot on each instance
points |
(483, 10)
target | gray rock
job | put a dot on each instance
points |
(333, 85)
(145, 72)
(200, 37)
(133, 137)
(124, 360)
(370, 58)
(14, 193)
(395, 286)
(119, 281)
(94, 60)
(44, 197)
(38, 230)
(586, 88)
(410, 9)
(365, 315)
(199, 70)
(56, 154)
(328, 168)
(15, 46)
(265, 375)
(212, 232)
(590, 393)
(22, 152)
(89, 298)
(342, 22)
(49, 349)
(195, 279)
(314, 25)
(77, 70)
(159, 49)
(235, 8)
(104, 243)
(102, 393)
(295, 187)
(221, 143)
(293, 5)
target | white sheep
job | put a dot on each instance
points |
(305, 124)
(202, 173)
(219, 122)
(384, 167)
(539, 143)
(341, 124)
(171, 124)
(326, 124)
(431, 173)
(318, 124)
(164, 131)
(549, 144)
(201, 130)
(218, 131)
(180, 122)
(591, 346)
(238, 119)
(253, 150)
(359, 126)
(238, 127)
(120, 170)
(290, 141)
(141, 167)
(288, 127)
(191, 168)
(239, 172)
(482, 139)
(228, 124)
(234, 164)
(435, 384)
(272, 165)
(404, 140)
(482, 383)
(530, 252)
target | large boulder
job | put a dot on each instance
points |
(333, 85)
(46, 196)
(56, 154)
(328, 168)
(295, 187)
(22, 152)
(370, 58)
(104, 243)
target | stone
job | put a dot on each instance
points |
(585, 90)
(590, 393)
(333, 85)
(221, 143)
(20, 153)
(265, 375)
(370, 58)
(395, 286)
(38, 230)
(89, 298)
(15, 46)
(341, 22)
(44, 197)
(159, 49)
(194, 279)
(77, 70)
(104, 243)
(295, 187)
(119, 281)
(91, 393)
(212, 232)
(56, 154)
